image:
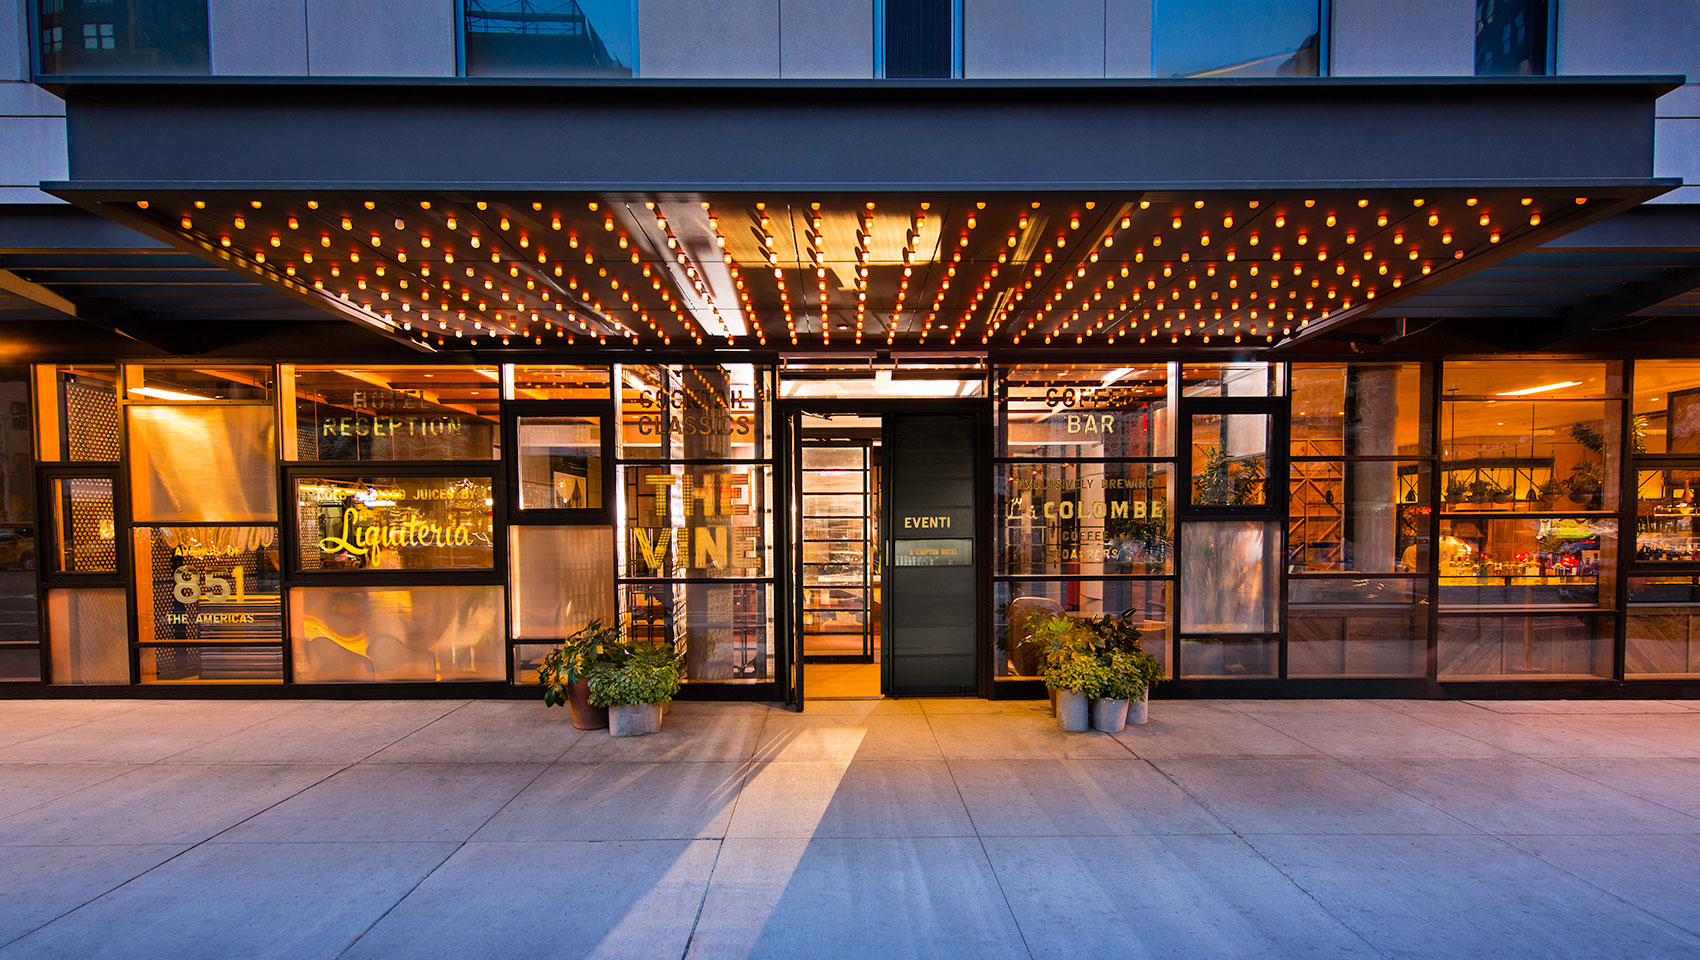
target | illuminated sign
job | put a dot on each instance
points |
(736, 418)
(425, 523)
(712, 521)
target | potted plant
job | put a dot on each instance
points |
(1124, 693)
(1456, 489)
(1545, 496)
(633, 683)
(1076, 678)
(566, 668)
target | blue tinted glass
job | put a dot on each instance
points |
(549, 38)
(1235, 38)
(1511, 37)
(121, 39)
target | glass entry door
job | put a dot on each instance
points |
(837, 543)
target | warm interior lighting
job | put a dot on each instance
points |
(1543, 388)
(159, 394)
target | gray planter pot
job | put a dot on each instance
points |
(1109, 715)
(1073, 712)
(1139, 711)
(634, 719)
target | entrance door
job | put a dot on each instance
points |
(838, 569)
(932, 595)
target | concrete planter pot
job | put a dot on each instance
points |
(634, 719)
(1139, 711)
(1109, 716)
(1073, 712)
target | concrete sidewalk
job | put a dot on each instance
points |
(934, 828)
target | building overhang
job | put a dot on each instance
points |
(928, 187)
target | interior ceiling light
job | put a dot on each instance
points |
(1543, 388)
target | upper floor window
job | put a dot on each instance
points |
(918, 39)
(550, 38)
(1513, 37)
(1238, 38)
(121, 37)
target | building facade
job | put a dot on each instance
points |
(365, 349)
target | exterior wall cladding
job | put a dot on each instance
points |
(1607, 650)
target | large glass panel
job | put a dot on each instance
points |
(1663, 626)
(1530, 456)
(87, 636)
(1229, 576)
(560, 462)
(84, 534)
(1511, 37)
(1488, 561)
(1370, 516)
(1358, 410)
(698, 520)
(76, 411)
(1356, 627)
(557, 382)
(1238, 379)
(20, 664)
(706, 412)
(1235, 38)
(550, 38)
(199, 383)
(1229, 657)
(920, 38)
(203, 463)
(121, 38)
(17, 468)
(362, 634)
(390, 413)
(1230, 459)
(1146, 600)
(394, 523)
(1086, 518)
(223, 663)
(1667, 522)
(1084, 410)
(1526, 647)
(562, 578)
(19, 613)
(724, 630)
(1667, 407)
(207, 584)
(1542, 379)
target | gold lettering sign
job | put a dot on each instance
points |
(367, 533)
(713, 526)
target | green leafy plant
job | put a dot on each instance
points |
(636, 673)
(1129, 674)
(1457, 488)
(1226, 481)
(573, 660)
(1082, 673)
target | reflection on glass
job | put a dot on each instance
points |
(558, 382)
(724, 630)
(1486, 561)
(20, 664)
(390, 413)
(1667, 406)
(203, 463)
(1526, 647)
(1368, 515)
(549, 38)
(208, 584)
(700, 520)
(1235, 38)
(1085, 518)
(87, 637)
(1358, 410)
(1663, 626)
(700, 412)
(1230, 459)
(83, 529)
(562, 578)
(1511, 37)
(1020, 600)
(1229, 576)
(212, 664)
(1357, 627)
(1530, 456)
(560, 463)
(1543, 379)
(117, 38)
(362, 634)
(177, 383)
(394, 523)
(76, 413)
(1084, 410)
(1235, 379)
(17, 468)
(1229, 657)
(1667, 523)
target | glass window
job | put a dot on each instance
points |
(158, 37)
(207, 584)
(391, 413)
(1357, 627)
(1229, 657)
(1667, 523)
(84, 533)
(365, 634)
(560, 462)
(1526, 646)
(1358, 410)
(562, 577)
(1543, 380)
(17, 467)
(1533, 456)
(87, 636)
(1231, 380)
(394, 523)
(1147, 600)
(1511, 37)
(76, 411)
(1230, 459)
(1667, 407)
(1229, 575)
(196, 384)
(1084, 410)
(222, 663)
(1369, 516)
(1516, 561)
(203, 463)
(557, 383)
(1663, 626)
(710, 412)
(1236, 38)
(724, 630)
(921, 38)
(701, 520)
(1083, 519)
(550, 38)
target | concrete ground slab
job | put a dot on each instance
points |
(26, 785)
(1301, 795)
(1031, 736)
(39, 884)
(688, 733)
(1673, 783)
(804, 737)
(327, 732)
(1654, 873)
(392, 801)
(621, 801)
(866, 798)
(1364, 729)
(1077, 797)
(487, 731)
(1187, 728)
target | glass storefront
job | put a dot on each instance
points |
(1457, 521)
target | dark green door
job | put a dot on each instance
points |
(931, 591)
